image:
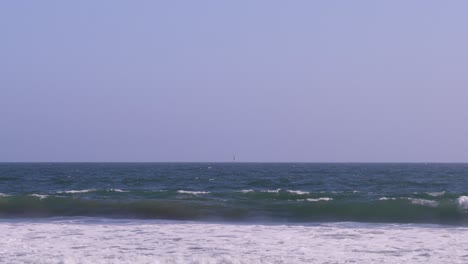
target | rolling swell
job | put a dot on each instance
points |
(254, 206)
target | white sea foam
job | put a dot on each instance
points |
(272, 191)
(40, 196)
(462, 202)
(298, 192)
(117, 190)
(79, 191)
(246, 191)
(3, 195)
(386, 198)
(424, 202)
(436, 194)
(117, 241)
(319, 199)
(192, 192)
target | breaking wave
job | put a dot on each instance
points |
(250, 207)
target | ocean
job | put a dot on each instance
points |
(233, 213)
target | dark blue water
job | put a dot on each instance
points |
(277, 192)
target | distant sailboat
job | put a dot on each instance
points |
(234, 158)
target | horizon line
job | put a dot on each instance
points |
(312, 162)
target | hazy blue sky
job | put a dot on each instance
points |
(203, 80)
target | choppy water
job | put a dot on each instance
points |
(281, 192)
(233, 213)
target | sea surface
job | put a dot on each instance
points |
(233, 213)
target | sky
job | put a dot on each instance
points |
(265, 80)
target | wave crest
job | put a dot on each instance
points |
(436, 194)
(424, 202)
(298, 192)
(462, 202)
(192, 192)
(40, 196)
(78, 191)
(319, 199)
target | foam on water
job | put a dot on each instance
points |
(117, 190)
(126, 241)
(40, 196)
(386, 198)
(319, 199)
(298, 192)
(436, 194)
(272, 191)
(78, 191)
(462, 202)
(390, 193)
(192, 192)
(424, 202)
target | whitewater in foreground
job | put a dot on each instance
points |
(233, 213)
(152, 241)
